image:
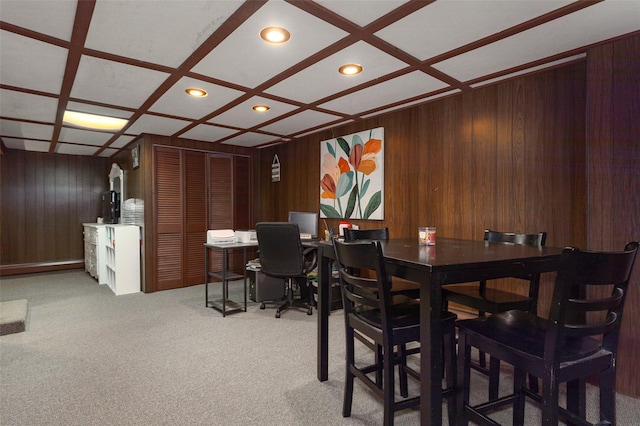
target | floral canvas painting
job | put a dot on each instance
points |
(352, 176)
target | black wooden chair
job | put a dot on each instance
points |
(390, 321)
(579, 339)
(492, 300)
(282, 256)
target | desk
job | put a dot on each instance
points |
(225, 275)
(450, 261)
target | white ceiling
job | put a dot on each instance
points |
(133, 59)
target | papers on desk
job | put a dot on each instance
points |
(254, 265)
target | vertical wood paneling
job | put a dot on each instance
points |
(613, 146)
(45, 199)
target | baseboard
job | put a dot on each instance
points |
(32, 268)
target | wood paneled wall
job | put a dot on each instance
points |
(45, 200)
(613, 209)
(510, 156)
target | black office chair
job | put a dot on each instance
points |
(492, 300)
(282, 256)
(390, 321)
(579, 339)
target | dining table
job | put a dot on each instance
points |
(449, 261)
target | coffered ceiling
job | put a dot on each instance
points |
(134, 59)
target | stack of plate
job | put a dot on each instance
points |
(132, 212)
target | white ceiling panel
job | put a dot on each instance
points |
(161, 32)
(242, 115)
(445, 25)
(308, 35)
(156, 125)
(20, 70)
(70, 149)
(26, 145)
(303, 85)
(114, 82)
(391, 91)
(251, 139)
(19, 129)
(121, 141)
(175, 100)
(299, 122)
(361, 12)
(601, 21)
(54, 18)
(208, 133)
(27, 106)
(81, 136)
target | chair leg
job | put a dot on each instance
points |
(608, 396)
(450, 373)
(388, 391)
(463, 379)
(348, 380)
(549, 400)
(519, 380)
(402, 371)
(494, 377)
(577, 397)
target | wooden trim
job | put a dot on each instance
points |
(32, 268)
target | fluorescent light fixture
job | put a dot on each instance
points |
(261, 108)
(196, 92)
(92, 121)
(350, 69)
(275, 35)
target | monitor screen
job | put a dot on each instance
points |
(307, 222)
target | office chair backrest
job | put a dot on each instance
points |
(538, 239)
(601, 279)
(366, 234)
(280, 249)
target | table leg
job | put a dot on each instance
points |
(324, 283)
(431, 352)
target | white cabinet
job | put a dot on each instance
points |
(95, 251)
(123, 258)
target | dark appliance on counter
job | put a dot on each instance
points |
(110, 207)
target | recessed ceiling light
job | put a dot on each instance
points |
(261, 108)
(196, 92)
(275, 35)
(92, 121)
(350, 69)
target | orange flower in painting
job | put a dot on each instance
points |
(331, 172)
(369, 161)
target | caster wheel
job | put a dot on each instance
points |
(262, 306)
(309, 311)
(277, 314)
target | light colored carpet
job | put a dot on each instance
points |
(91, 358)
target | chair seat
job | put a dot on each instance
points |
(526, 333)
(493, 301)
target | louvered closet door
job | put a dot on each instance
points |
(169, 218)
(195, 190)
(220, 201)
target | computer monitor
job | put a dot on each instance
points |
(307, 222)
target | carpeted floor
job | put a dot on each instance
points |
(88, 357)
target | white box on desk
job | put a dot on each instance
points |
(246, 236)
(221, 236)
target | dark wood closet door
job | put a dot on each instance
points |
(195, 224)
(169, 218)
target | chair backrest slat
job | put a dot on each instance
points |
(371, 289)
(381, 234)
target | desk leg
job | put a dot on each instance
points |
(430, 352)
(244, 275)
(225, 290)
(324, 283)
(206, 277)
